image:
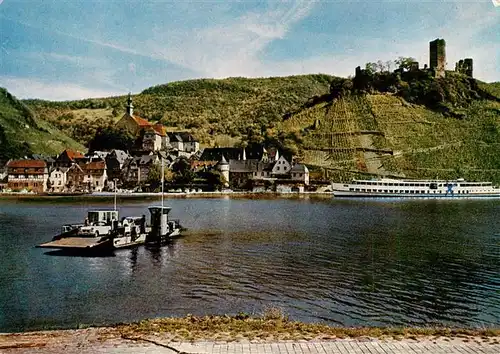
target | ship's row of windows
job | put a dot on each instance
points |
(368, 183)
(403, 191)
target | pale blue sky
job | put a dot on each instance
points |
(58, 50)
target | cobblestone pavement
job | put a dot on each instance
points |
(82, 344)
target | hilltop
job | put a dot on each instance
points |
(23, 133)
(216, 111)
(411, 125)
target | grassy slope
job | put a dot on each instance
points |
(20, 125)
(216, 111)
(424, 142)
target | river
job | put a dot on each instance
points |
(340, 262)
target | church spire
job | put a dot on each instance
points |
(130, 106)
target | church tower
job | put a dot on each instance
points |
(130, 106)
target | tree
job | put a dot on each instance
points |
(380, 66)
(404, 62)
(215, 179)
(182, 171)
(371, 68)
(154, 176)
(388, 65)
(254, 135)
(110, 138)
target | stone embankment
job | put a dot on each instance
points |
(271, 333)
(109, 340)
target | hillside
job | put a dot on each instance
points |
(22, 132)
(422, 128)
(411, 125)
(216, 111)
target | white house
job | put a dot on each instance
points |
(281, 167)
(57, 179)
(300, 172)
(183, 141)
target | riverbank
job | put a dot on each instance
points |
(104, 196)
(271, 333)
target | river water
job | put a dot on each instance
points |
(340, 262)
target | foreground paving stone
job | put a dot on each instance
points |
(92, 341)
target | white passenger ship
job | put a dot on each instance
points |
(395, 188)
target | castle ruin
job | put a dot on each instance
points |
(437, 57)
(437, 63)
(464, 66)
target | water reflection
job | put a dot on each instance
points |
(76, 253)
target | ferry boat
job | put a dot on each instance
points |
(407, 188)
(102, 231)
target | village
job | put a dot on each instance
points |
(186, 166)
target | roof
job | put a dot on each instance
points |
(95, 165)
(299, 168)
(181, 137)
(75, 166)
(248, 166)
(73, 154)
(46, 158)
(146, 159)
(215, 154)
(119, 155)
(100, 154)
(160, 129)
(26, 164)
(141, 121)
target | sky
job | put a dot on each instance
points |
(62, 50)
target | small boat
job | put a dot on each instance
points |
(407, 188)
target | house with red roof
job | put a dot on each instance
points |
(30, 175)
(154, 136)
(69, 157)
(94, 176)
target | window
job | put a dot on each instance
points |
(277, 169)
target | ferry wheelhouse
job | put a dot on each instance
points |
(395, 188)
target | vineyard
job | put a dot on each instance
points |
(383, 135)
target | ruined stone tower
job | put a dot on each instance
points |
(464, 66)
(437, 57)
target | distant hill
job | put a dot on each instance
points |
(398, 125)
(23, 133)
(216, 111)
